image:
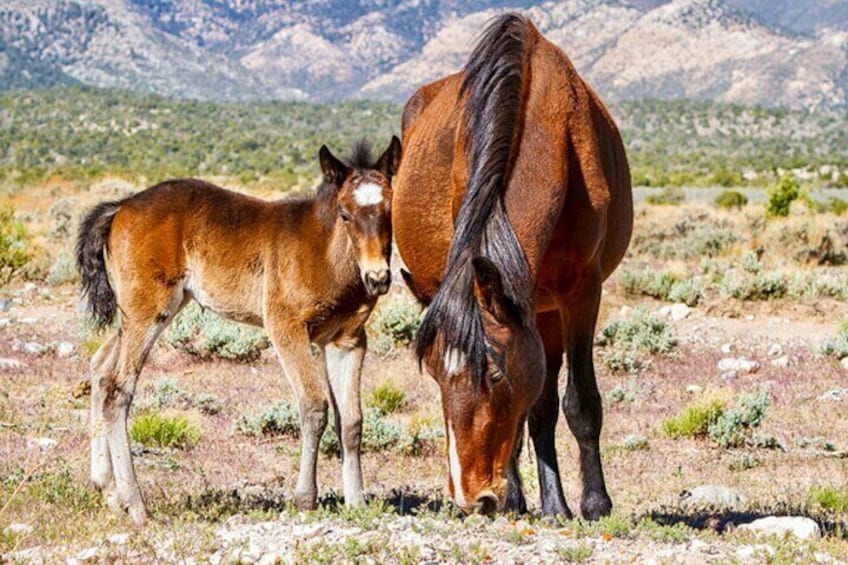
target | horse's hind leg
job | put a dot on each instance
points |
(103, 366)
(544, 415)
(344, 366)
(582, 402)
(140, 328)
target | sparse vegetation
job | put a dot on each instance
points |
(629, 343)
(205, 334)
(153, 429)
(731, 200)
(830, 499)
(393, 323)
(668, 196)
(733, 427)
(694, 420)
(838, 346)
(14, 245)
(386, 399)
(782, 195)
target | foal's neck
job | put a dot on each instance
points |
(339, 253)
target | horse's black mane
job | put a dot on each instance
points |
(492, 95)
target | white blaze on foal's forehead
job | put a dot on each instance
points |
(368, 194)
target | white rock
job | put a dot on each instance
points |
(7, 364)
(65, 349)
(29, 287)
(844, 363)
(694, 389)
(119, 539)
(835, 395)
(43, 444)
(714, 496)
(34, 348)
(726, 348)
(679, 311)
(87, 555)
(28, 321)
(741, 365)
(5, 322)
(782, 361)
(774, 350)
(730, 375)
(798, 526)
(18, 529)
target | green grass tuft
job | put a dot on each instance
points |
(156, 430)
(386, 399)
(694, 420)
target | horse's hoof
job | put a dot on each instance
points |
(305, 501)
(138, 514)
(355, 500)
(557, 510)
(595, 505)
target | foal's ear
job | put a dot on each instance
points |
(335, 172)
(390, 160)
(489, 291)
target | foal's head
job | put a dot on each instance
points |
(359, 193)
(486, 355)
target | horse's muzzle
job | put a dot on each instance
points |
(378, 282)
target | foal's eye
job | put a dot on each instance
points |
(344, 214)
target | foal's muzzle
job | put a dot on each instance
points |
(378, 282)
(486, 504)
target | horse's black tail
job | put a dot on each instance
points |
(91, 263)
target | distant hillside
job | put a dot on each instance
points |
(275, 144)
(20, 71)
(775, 53)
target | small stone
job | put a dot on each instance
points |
(844, 363)
(713, 496)
(65, 349)
(28, 321)
(730, 375)
(726, 348)
(782, 361)
(835, 395)
(5, 304)
(749, 552)
(8, 364)
(679, 311)
(18, 529)
(5, 322)
(87, 555)
(750, 317)
(798, 526)
(694, 389)
(739, 364)
(29, 287)
(34, 348)
(774, 350)
(119, 539)
(43, 444)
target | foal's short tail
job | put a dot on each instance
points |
(91, 263)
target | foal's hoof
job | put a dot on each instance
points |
(138, 514)
(595, 505)
(305, 501)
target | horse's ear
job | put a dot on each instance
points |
(335, 172)
(489, 291)
(390, 159)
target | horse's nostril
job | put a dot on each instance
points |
(487, 504)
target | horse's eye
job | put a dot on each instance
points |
(344, 214)
(496, 376)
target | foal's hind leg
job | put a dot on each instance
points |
(140, 328)
(544, 415)
(344, 366)
(582, 402)
(103, 366)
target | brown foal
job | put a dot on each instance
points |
(308, 271)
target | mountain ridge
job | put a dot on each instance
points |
(739, 51)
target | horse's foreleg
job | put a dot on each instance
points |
(582, 402)
(344, 366)
(515, 501)
(292, 347)
(544, 415)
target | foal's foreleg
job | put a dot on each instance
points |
(292, 346)
(344, 366)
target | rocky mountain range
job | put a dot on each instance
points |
(764, 52)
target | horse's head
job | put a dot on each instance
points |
(487, 387)
(363, 201)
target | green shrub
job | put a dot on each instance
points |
(629, 342)
(155, 430)
(837, 205)
(208, 404)
(281, 419)
(63, 270)
(727, 177)
(386, 399)
(781, 196)
(695, 420)
(838, 346)
(732, 428)
(393, 323)
(14, 246)
(688, 291)
(668, 196)
(830, 499)
(207, 335)
(731, 199)
(63, 218)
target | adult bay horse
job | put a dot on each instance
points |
(512, 205)
(309, 271)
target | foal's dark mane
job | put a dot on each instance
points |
(492, 89)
